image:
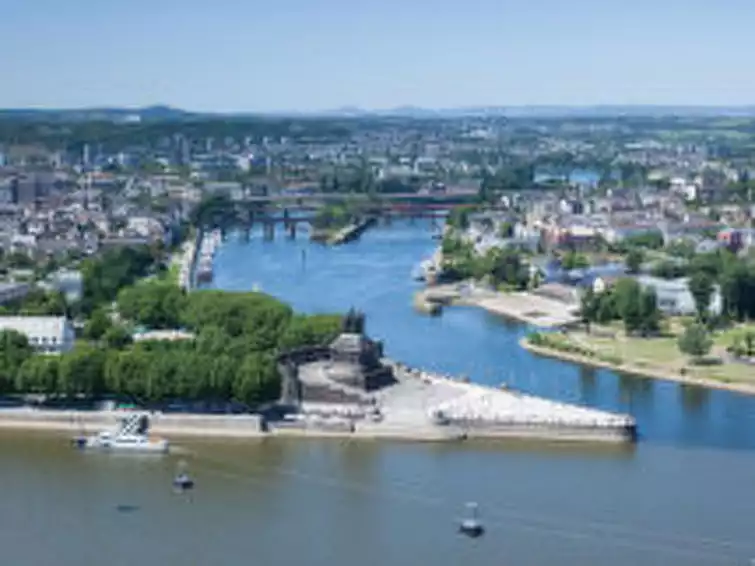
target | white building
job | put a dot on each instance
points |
(674, 297)
(70, 283)
(46, 334)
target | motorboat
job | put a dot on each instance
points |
(131, 435)
(182, 481)
(425, 270)
(471, 526)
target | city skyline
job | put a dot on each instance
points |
(300, 57)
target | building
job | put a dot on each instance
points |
(46, 334)
(12, 292)
(70, 283)
(674, 297)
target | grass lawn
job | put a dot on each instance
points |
(726, 337)
(663, 353)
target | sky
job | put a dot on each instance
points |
(309, 55)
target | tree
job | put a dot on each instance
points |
(574, 260)
(458, 218)
(38, 374)
(589, 306)
(628, 295)
(117, 338)
(256, 381)
(695, 341)
(506, 230)
(634, 260)
(649, 313)
(81, 371)
(310, 331)
(14, 351)
(154, 303)
(97, 325)
(701, 287)
(738, 290)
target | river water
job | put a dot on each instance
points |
(684, 495)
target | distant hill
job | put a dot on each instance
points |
(149, 114)
(167, 113)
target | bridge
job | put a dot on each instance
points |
(456, 197)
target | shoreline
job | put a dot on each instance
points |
(523, 307)
(642, 372)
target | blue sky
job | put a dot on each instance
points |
(234, 55)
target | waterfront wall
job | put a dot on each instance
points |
(76, 422)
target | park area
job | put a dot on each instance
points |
(657, 356)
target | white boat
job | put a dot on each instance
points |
(129, 436)
(424, 270)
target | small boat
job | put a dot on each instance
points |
(182, 481)
(129, 436)
(472, 526)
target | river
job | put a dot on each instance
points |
(685, 495)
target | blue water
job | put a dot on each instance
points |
(684, 496)
(374, 275)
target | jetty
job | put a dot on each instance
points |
(348, 233)
(486, 412)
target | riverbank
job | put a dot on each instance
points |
(639, 371)
(89, 422)
(183, 262)
(525, 307)
(419, 406)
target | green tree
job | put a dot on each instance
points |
(738, 290)
(256, 381)
(154, 303)
(38, 374)
(649, 314)
(310, 331)
(458, 218)
(97, 324)
(590, 303)
(695, 341)
(628, 296)
(634, 260)
(14, 351)
(81, 371)
(117, 338)
(574, 260)
(701, 287)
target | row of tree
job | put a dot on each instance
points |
(627, 301)
(497, 266)
(237, 337)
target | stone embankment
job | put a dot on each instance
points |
(481, 411)
(185, 261)
(90, 422)
(205, 256)
(419, 407)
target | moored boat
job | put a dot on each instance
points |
(131, 435)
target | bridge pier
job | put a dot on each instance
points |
(268, 230)
(292, 230)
